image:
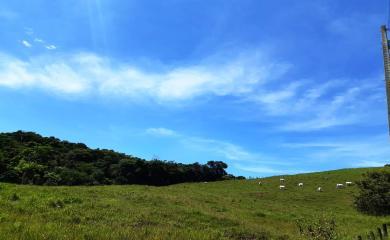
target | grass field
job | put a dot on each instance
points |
(236, 209)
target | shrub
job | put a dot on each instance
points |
(374, 193)
(323, 228)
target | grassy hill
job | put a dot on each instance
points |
(235, 209)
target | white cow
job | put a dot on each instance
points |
(260, 183)
(300, 184)
(282, 187)
(348, 183)
(319, 189)
(339, 185)
(282, 180)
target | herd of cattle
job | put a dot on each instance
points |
(282, 186)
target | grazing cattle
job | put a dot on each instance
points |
(260, 183)
(282, 187)
(348, 183)
(339, 185)
(282, 180)
(319, 189)
(300, 184)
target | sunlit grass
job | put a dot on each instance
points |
(215, 210)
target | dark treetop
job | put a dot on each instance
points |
(29, 158)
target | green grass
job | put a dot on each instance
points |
(218, 210)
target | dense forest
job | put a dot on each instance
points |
(29, 158)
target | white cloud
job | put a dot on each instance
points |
(38, 40)
(92, 74)
(26, 43)
(266, 170)
(233, 154)
(225, 149)
(276, 102)
(298, 105)
(370, 151)
(308, 106)
(57, 77)
(322, 121)
(50, 47)
(302, 156)
(165, 132)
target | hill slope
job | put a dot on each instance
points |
(236, 209)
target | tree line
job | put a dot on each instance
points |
(29, 158)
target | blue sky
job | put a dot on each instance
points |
(269, 87)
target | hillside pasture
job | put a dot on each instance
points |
(234, 209)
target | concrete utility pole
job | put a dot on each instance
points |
(386, 58)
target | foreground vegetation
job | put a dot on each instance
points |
(374, 193)
(28, 158)
(234, 209)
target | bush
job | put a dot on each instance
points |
(324, 228)
(374, 193)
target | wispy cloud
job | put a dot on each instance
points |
(222, 148)
(50, 47)
(250, 76)
(235, 155)
(26, 43)
(91, 74)
(242, 159)
(38, 40)
(227, 150)
(370, 151)
(266, 170)
(165, 132)
(310, 106)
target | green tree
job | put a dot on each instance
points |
(30, 172)
(27, 157)
(374, 193)
(52, 178)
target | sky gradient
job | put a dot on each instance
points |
(269, 87)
